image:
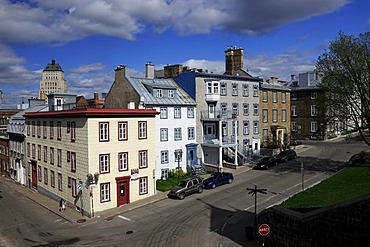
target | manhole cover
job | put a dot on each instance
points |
(129, 232)
(81, 221)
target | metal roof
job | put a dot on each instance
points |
(144, 87)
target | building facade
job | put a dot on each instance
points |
(175, 127)
(52, 80)
(275, 114)
(96, 159)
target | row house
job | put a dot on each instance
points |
(15, 130)
(96, 159)
(228, 111)
(175, 127)
(309, 120)
(275, 114)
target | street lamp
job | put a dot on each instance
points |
(178, 155)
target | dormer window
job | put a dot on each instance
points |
(159, 93)
(171, 94)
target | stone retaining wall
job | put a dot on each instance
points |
(343, 224)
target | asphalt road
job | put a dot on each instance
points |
(214, 218)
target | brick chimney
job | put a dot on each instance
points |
(234, 60)
(172, 71)
(119, 72)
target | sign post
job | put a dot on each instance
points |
(264, 230)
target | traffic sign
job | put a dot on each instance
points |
(264, 230)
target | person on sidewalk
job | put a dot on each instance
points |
(62, 205)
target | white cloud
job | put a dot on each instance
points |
(63, 21)
(87, 68)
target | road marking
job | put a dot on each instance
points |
(125, 218)
(57, 220)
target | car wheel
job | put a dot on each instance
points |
(213, 186)
(200, 189)
(230, 181)
(182, 196)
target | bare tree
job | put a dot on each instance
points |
(345, 71)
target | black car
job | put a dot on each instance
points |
(265, 163)
(286, 155)
(187, 187)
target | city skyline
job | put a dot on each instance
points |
(89, 39)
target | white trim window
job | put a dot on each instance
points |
(177, 113)
(256, 127)
(223, 107)
(294, 110)
(255, 109)
(164, 157)
(235, 109)
(143, 159)
(313, 126)
(274, 97)
(313, 110)
(234, 89)
(223, 88)
(164, 134)
(103, 131)
(159, 93)
(143, 185)
(171, 94)
(104, 163)
(190, 112)
(264, 115)
(283, 97)
(245, 90)
(245, 109)
(123, 161)
(264, 96)
(274, 115)
(104, 192)
(142, 130)
(191, 133)
(245, 127)
(163, 111)
(283, 115)
(255, 90)
(177, 134)
(122, 131)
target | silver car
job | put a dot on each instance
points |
(187, 187)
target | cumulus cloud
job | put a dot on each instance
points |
(88, 68)
(63, 21)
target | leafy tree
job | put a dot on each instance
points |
(345, 71)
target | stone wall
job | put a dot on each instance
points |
(343, 224)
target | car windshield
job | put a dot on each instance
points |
(183, 184)
(215, 175)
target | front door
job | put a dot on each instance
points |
(34, 174)
(123, 190)
(211, 111)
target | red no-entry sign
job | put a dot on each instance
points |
(264, 229)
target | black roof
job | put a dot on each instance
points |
(53, 66)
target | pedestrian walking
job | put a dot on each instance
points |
(62, 205)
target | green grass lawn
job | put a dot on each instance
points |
(348, 183)
(168, 184)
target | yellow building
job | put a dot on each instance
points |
(275, 114)
(96, 159)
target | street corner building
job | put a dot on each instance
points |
(95, 159)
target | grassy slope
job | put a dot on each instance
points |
(348, 183)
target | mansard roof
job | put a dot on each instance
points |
(53, 66)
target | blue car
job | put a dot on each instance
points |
(217, 179)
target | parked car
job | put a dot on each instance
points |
(357, 159)
(265, 163)
(186, 187)
(286, 155)
(217, 179)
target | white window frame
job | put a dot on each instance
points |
(256, 127)
(246, 127)
(177, 134)
(283, 115)
(105, 192)
(274, 115)
(191, 133)
(123, 161)
(294, 110)
(314, 126)
(103, 131)
(164, 134)
(122, 131)
(265, 117)
(143, 185)
(191, 112)
(245, 90)
(274, 97)
(163, 113)
(164, 157)
(104, 163)
(313, 110)
(177, 112)
(142, 129)
(143, 159)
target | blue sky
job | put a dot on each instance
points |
(90, 38)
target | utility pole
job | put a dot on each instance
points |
(254, 193)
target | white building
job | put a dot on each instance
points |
(52, 80)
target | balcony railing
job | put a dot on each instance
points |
(217, 114)
(215, 140)
(212, 97)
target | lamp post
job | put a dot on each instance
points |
(178, 155)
